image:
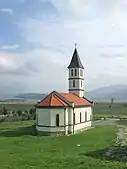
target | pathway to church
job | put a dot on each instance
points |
(119, 150)
(106, 122)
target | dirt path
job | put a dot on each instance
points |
(119, 150)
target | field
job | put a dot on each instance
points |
(100, 109)
(103, 109)
(20, 149)
(17, 106)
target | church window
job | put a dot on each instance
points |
(73, 83)
(74, 119)
(75, 72)
(80, 117)
(85, 116)
(81, 72)
(81, 83)
(71, 72)
(91, 118)
(57, 120)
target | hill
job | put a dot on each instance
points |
(30, 96)
(118, 92)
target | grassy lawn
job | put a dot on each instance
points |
(19, 149)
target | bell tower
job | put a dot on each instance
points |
(76, 75)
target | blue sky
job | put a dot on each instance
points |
(37, 41)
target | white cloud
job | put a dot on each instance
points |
(35, 70)
(6, 47)
(98, 36)
(7, 10)
(99, 28)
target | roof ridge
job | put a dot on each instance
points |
(76, 95)
(51, 99)
(63, 98)
(59, 99)
(44, 98)
(87, 99)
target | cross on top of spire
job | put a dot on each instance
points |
(75, 45)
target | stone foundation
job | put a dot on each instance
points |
(82, 130)
(43, 133)
(61, 133)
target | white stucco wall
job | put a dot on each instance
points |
(84, 123)
(47, 117)
(79, 82)
(78, 73)
(82, 126)
(43, 116)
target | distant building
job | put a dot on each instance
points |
(66, 113)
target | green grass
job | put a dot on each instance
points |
(19, 149)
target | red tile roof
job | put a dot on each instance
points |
(55, 99)
(51, 100)
(78, 101)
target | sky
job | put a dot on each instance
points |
(37, 40)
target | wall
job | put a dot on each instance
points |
(78, 73)
(84, 123)
(79, 82)
(43, 116)
(47, 120)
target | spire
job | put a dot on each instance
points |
(75, 61)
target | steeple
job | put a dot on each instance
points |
(75, 61)
(76, 75)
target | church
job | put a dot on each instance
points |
(66, 113)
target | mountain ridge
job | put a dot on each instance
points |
(117, 92)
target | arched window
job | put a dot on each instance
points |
(75, 72)
(80, 117)
(85, 116)
(74, 119)
(81, 83)
(57, 120)
(81, 72)
(73, 83)
(71, 72)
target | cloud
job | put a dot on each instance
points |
(6, 10)
(35, 70)
(97, 26)
(91, 32)
(6, 47)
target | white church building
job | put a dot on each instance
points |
(66, 113)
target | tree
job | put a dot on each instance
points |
(19, 112)
(32, 111)
(124, 105)
(5, 111)
(112, 100)
(26, 112)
